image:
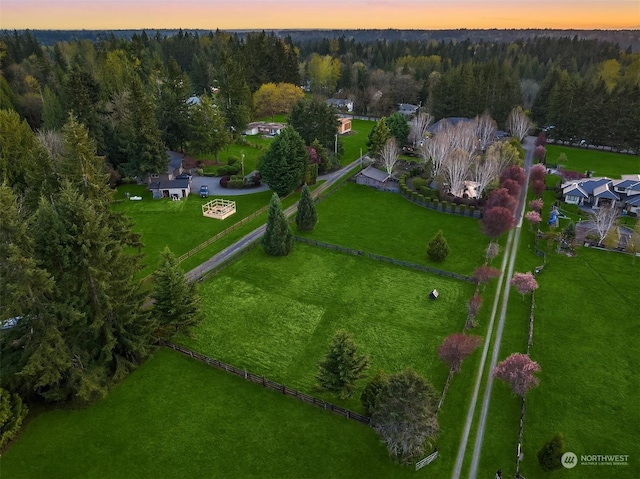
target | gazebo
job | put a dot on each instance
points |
(219, 208)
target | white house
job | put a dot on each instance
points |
(174, 189)
(341, 104)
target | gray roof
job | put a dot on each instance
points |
(574, 190)
(453, 121)
(169, 184)
(175, 160)
(375, 174)
(633, 185)
(633, 200)
(603, 191)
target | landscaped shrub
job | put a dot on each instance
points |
(472, 210)
(232, 160)
(235, 184)
(435, 203)
(438, 248)
(444, 206)
(224, 181)
(228, 170)
(421, 199)
(463, 209)
(12, 413)
(419, 183)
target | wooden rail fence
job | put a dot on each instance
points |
(267, 383)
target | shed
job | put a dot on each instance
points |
(345, 126)
(371, 176)
(175, 189)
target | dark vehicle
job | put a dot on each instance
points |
(184, 176)
(204, 191)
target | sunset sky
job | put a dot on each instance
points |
(329, 14)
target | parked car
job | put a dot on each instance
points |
(204, 191)
(184, 176)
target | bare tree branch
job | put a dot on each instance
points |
(519, 123)
(603, 219)
(389, 155)
(419, 126)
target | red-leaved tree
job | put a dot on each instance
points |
(537, 172)
(483, 274)
(515, 173)
(542, 139)
(540, 154)
(538, 187)
(472, 310)
(524, 283)
(518, 372)
(501, 197)
(512, 186)
(536, 205)
(496, 221)
(456, 347)
(533, 217)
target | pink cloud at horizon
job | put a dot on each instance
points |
(329, 14)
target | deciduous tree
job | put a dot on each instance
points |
(533, 217)
(389, 155)
(456, 347)
(515, 173)
(483, 274)
(342, 366)
(603, 220)
(518, 371)
(496, 221)
(278, 237)
(536, 204)
(524, 283)
(418, 127)
(405, 415)
(306, 217)
(501, 197)
(519, 123)
(473, 306)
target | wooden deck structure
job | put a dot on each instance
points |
(219, 208)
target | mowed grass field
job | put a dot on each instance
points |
(386, 224)
(179, 225)
(601, 163)
(177, 418)
(586, 342)
(275, 316)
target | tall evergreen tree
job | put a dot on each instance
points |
(278, 237)
(342, 366)
(398, 127)
(306, 217)
(208, 131)
(177, 304)
(173, 108)
(438, 248)
(378, 137)
(314, 119)
(283, 165)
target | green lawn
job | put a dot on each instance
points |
(178, 224)
(386, 224)
(601, 163)
(355, 143)
(585, 339)
(177, 418)
(276, 316)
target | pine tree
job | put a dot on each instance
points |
(283, 165)
(12, 413)
(372, 389)
(306, 217)
(278, 237)
(342, 366)
(551, 453)
(438, 248)
(209, 135)
(177, 304)
(378, 137)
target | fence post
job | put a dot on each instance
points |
(263, 383)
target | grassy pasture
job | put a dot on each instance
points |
(276, 316)
(175, 417)
(601, 163)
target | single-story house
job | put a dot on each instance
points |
(453, 121)
(264, 128)
(174, 189)
(174, 168)
(407, 109)
(372, 176)
(341, 104)
(345, 126)
(623, 193)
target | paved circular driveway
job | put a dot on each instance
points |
(216, 190)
